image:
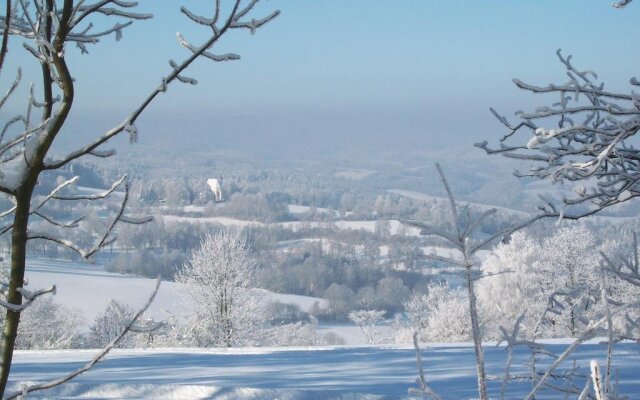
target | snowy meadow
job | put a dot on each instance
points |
(344, 372)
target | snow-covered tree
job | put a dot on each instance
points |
(512, 286)
(368, 321)
(440, 315)
(569, 266)
(48, 325)
(340, 299)
(109, 323)
(47, 31)
(553, 284)
(293, 334)
(223, 311)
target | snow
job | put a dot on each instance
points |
(88, 288)
(340, 372)
(86, 190)
(304, 302)
(12, 173)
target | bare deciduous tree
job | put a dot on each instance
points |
(47, 29)
(459, 237)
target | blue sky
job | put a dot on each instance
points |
(356, 67)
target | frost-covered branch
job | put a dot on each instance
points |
(621, 4)
(107, 237)
(425, 389)
(589, 333)
(128, 125)
(367, 321)
(590, 146)
(30, 297)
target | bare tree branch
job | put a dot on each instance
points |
(591, 145)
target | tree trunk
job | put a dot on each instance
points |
(16, 280)
(475, 329)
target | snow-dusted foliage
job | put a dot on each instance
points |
(48, 325)
(215, 281)
(440, 315)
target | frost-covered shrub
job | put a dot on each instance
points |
(368, 321)
(109, 324)
(47, 325)
(440, 315)
(295, 334)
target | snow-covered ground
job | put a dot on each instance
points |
(349, 372)
(376, 372)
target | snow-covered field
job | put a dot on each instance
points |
(376, 372)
